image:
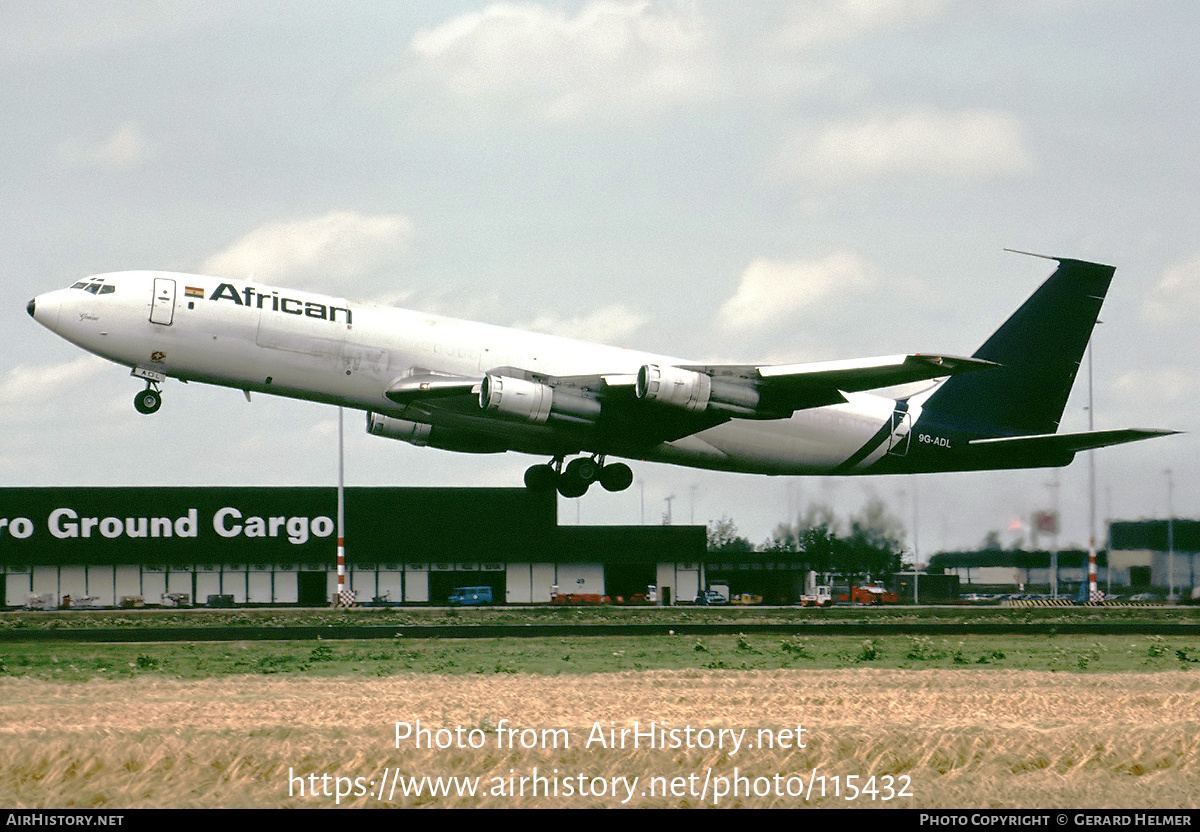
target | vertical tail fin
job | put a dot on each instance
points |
(1039, 349)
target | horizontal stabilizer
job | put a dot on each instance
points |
(1060, 443)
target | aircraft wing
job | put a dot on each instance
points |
(661, 403)
(786, 388)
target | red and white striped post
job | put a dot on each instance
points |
(344, 597)
(1094, 593)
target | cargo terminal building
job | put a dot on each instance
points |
(279, 546)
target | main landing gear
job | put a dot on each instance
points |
(149, 400)
(574, 479)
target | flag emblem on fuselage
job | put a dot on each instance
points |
(193, 292)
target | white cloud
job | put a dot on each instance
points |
(58, 30)
(1169, 385)
(610, 60)
(610, 324)
(838, 21)
(966, 144)
(338, 246)
(126, 147)
(24, 385)
(771, 291)
(1177, 295)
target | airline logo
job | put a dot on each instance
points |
(251, 297)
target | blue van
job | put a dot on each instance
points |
(465, 596)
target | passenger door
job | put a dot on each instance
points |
(162, 306)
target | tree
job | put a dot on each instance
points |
(723, 537)
(868, 551)
(816, 543)
(872, 545)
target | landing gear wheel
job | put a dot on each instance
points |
(584, 468)
(148, 401)
(571, 487)
(540, 477)
(577, 476)
(616, 477)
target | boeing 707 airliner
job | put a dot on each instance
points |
(472, 387)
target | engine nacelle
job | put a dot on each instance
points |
(423, 435)
(415, 433)
(674, 387)
(694, 392)
(533, 401)
(526, 400)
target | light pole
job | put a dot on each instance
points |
(1170, 537)
(916, 550)
(1093, 588)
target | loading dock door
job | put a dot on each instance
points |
(311, 589)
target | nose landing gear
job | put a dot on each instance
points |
(576, 477)
(149, 400)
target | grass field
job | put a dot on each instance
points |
(79, 662)
(518, 616)
(979, 722)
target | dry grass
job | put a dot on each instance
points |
(966, 738)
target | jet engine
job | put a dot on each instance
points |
(533, 401)
(423, 435)
(695, 392)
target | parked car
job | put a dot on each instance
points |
(466, 596)
(709, 597)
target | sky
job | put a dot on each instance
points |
(770, 182)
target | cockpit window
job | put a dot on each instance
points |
(96, 287)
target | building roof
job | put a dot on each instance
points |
(1152, 535)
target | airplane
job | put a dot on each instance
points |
(472, 387)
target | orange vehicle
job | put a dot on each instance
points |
(874, 594)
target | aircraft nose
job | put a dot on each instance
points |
(44, 309)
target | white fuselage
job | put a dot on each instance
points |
(309, 346)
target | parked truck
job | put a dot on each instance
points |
(819, 592)
(820, 596)
(872, 594)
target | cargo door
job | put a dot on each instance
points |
(901, 433)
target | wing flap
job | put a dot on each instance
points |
(872, 373)
(782, 389)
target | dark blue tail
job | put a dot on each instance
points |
(1039, 349)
